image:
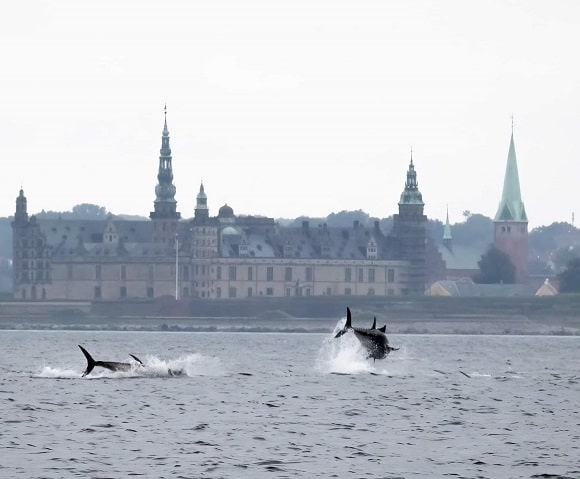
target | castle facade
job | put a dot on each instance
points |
(215, 257)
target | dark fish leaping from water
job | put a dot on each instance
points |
(110, 365)
(373, 339)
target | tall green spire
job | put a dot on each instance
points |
(447, 229)
(165, 204)
(165, 190)
(511, 206)
(411, 193)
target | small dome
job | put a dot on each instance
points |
(226, 212)
(229, 231)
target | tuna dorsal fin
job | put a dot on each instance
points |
(90, 361)
(348, 318)
(374, 326)
(383, 329)
(136, 359)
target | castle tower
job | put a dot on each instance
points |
(165, 216)
(511, 221)
(201, 209)
(409, 228)
(31, 270)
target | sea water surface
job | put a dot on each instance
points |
(237, 405)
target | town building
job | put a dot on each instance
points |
(215, 257)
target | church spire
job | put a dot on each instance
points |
(411, 194)
(447, 240)
(511, 206)
(165, 204)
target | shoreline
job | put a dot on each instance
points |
(461, 325)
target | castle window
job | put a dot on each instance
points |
(232, 293)
(288, 275)
(98, 271)
(232, 273)
(218, 292)
(123, 272)
(269, 292)
(360, 275)
(270, 273)
(250, 273)
(347, 274)
(309, 273)
(390, 275)
(371, 275)
(123, 292)
(219, 272)
(347, 292)
(150, 292)
(287, 291)
(97, 293)
(249, 292)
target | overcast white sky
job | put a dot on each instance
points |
(291, 108)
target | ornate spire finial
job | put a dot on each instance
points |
(512, 123)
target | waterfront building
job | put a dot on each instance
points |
(215, 257)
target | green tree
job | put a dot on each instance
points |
(495, 267)
(570, 277)
(475, 230)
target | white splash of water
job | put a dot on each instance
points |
(189, 365)
(343, 355)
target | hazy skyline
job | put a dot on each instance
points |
(293, 108)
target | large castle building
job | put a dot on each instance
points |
(223, 256)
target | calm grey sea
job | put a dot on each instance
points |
(289, 405)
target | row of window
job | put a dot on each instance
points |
(288, 274)
(233, 293)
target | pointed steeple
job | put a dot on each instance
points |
(411, 194)
(201, 209)
(447, 229)
(165, 204)
(21, 215)
(511, 206)
(447, 240)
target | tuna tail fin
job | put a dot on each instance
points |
(137, 359)
(90, 361)
(347, 326)
(383, 329)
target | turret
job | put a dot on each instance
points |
(201, 209)
(165, 215)
(409, 230)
